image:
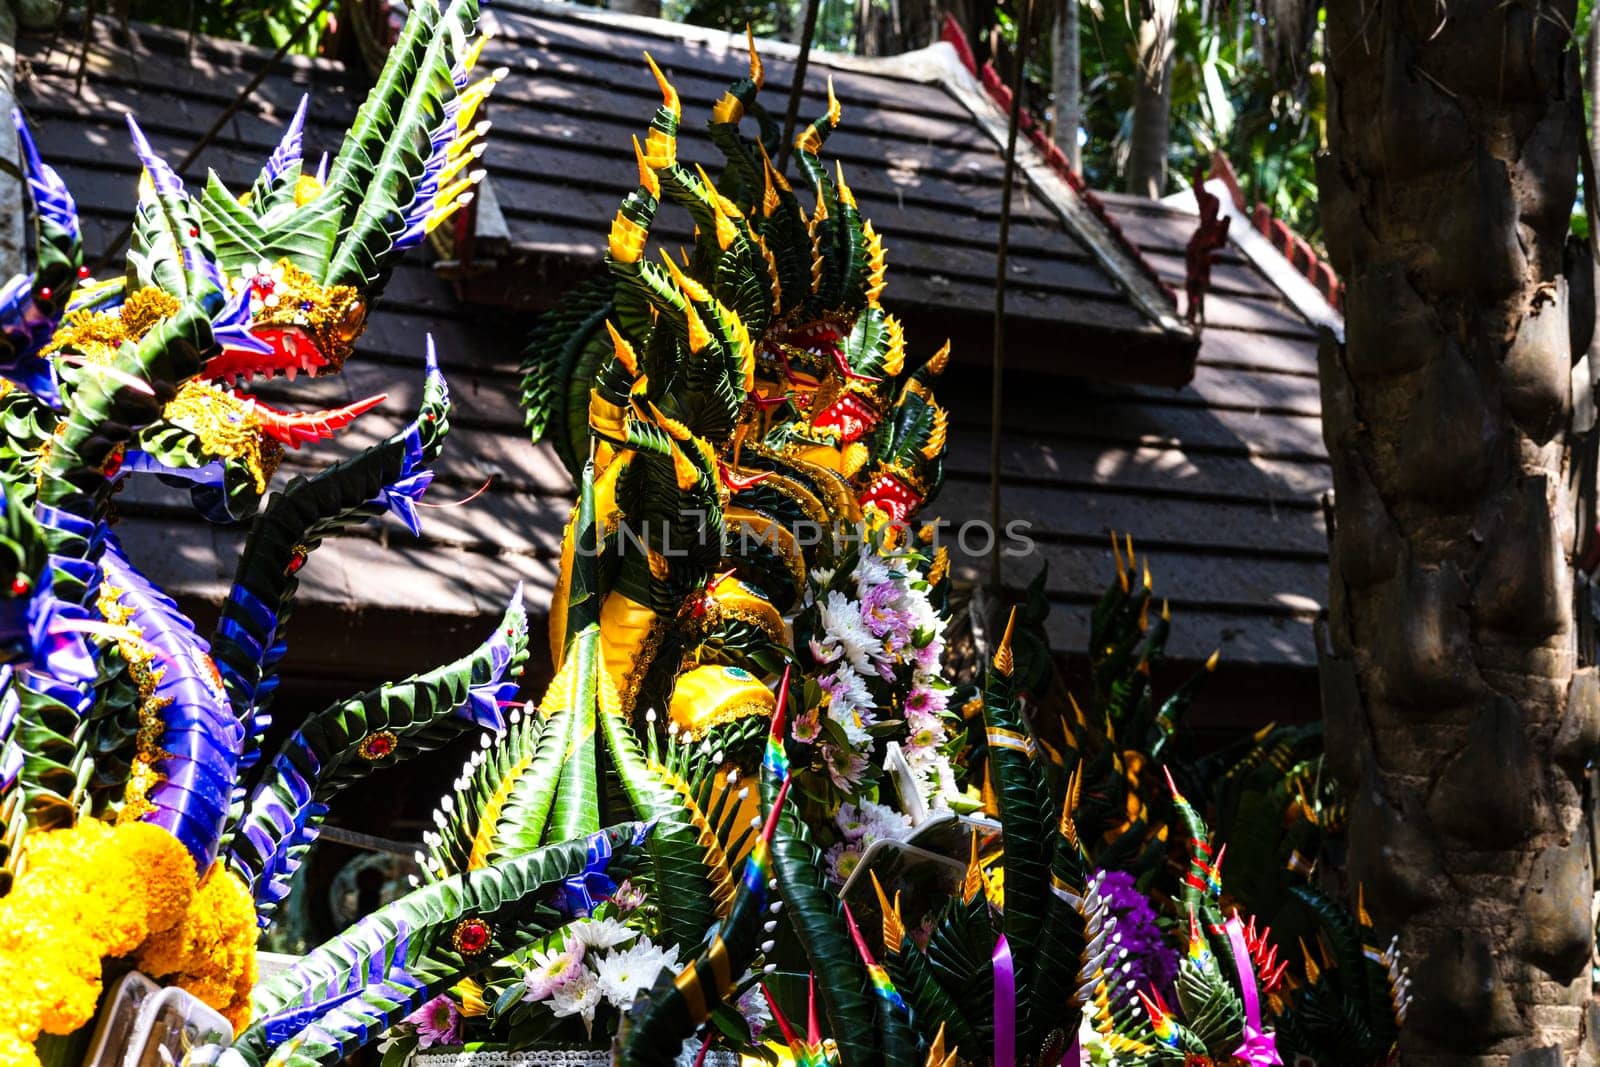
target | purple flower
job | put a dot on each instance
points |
(1140, 953)
(844, 766)
(628, 897)
(438, 1022)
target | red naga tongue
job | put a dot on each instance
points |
(736, 482)
(850, 416)
(296, 428)
(892, 496)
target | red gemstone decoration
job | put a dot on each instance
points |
(296, 561)
(46, 293)
(83, 272)
(471, 936)
(194, 231)
(20, 586)
(377, 746)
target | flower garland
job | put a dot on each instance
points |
(878, 644)
(872, 639)
(97, 892)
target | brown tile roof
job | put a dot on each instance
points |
(924, 167)
(1219, 480)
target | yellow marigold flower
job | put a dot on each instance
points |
(88, 893)
(211, 952)
(15, 1052)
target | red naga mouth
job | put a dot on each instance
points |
(891, 495)
(292, 353)
(850, 415)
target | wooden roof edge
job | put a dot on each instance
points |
(1114, 254)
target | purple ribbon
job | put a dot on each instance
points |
(1005, 1005)
(1259, 1048)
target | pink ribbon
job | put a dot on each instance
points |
(1005, 1005)
(1259, 1048)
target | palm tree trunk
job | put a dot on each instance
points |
(1454, 696)
(1067, 81)
(1152, 105)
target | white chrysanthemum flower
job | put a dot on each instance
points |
(842, 627)
(602, 933)
(870, 571)
(623, 974)
(849, 694)
(580, 996)
(883, 821)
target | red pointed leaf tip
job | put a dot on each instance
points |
(1216, 868)
(1155, 1013)
(1172, 785)
(813, 1024)
(855, 935)
(778, 1017)
(777, 809)
(781, 715)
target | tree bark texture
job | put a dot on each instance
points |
(649, 8)
(891, 27)
(1453, 693)
(1152, 102)
(1066, 79)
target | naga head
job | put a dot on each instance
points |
(286, 271)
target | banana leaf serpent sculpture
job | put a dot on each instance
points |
(744, 636)
(141, 820)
